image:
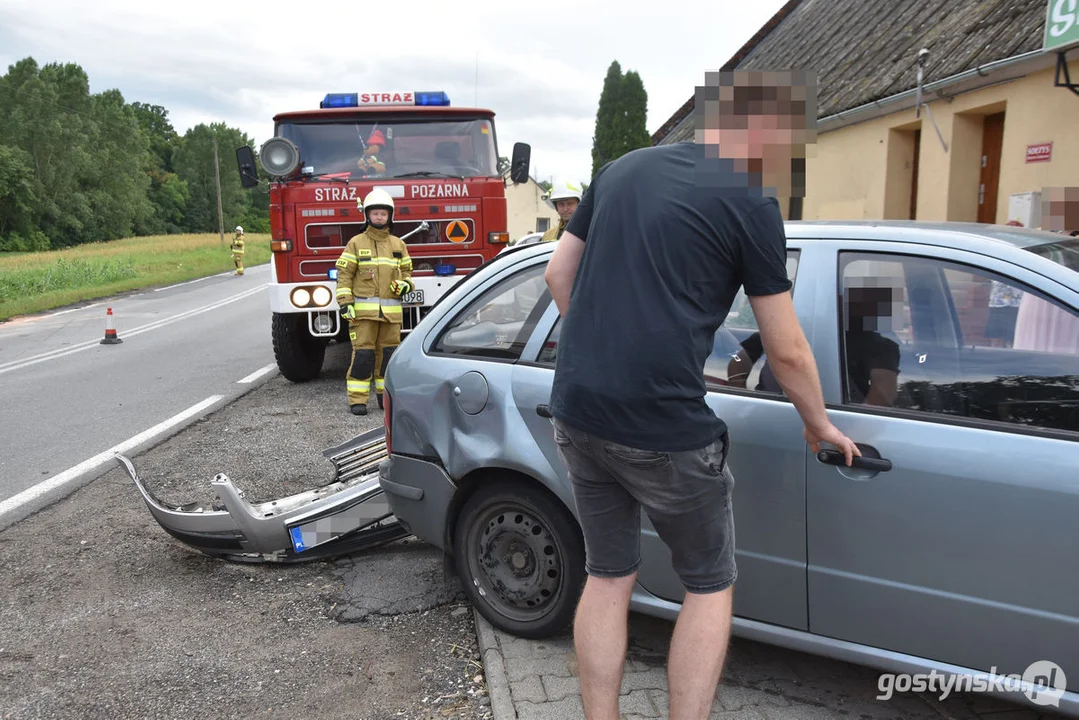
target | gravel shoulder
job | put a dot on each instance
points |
(105, 615)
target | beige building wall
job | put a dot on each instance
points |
(524, 207)
(865, 171)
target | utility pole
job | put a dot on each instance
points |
(217, 178)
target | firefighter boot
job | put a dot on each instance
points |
(363, 365)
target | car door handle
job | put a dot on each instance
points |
(544, 411)
(834, 457)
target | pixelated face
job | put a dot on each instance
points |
(379, 216)
(764, 118)
(874, 304)
(1060, 209)
(566, 207)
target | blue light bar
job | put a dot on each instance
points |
(432, 98)
(425, 99)
(446, 269)
(334, 100)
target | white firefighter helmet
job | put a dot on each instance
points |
(378, 198)
(563, 191)
(239, 230)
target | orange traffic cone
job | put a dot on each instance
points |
(110, 331)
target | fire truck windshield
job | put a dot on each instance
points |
(458, 147)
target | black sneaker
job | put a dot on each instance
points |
(359, 409)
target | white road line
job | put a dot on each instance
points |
(257, 374)
(17, 364)
(65, 312)
(57, 481)
(188, 282)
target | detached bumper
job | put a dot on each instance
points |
(349, 514)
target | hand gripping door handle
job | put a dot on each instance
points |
(834, 457)
(544, 411)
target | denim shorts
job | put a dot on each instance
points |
(687, 496)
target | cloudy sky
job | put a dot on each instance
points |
(540, 65)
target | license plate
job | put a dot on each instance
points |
(315, 533)
(412, 298)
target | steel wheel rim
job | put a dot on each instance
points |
(516, 562)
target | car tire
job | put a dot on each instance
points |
(520, 555)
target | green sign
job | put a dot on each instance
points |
(1061, 24)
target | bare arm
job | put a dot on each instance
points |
(562, 269)
(793, 364)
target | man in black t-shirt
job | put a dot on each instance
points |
(645, 273)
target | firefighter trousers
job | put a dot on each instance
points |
(371, 340)
(238, 260)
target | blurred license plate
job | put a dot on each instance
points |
(412, 298)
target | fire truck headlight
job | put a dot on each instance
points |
(279, 156)
(323, 322)
(301, 297)
(321, 296)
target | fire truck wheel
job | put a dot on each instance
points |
(521, 558)
(299, 355)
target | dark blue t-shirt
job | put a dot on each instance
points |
(670, 237)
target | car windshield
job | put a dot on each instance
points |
(396, 148)
(1065, 252)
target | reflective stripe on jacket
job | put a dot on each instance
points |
(367, 267)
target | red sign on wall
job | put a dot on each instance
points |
(1042, 152)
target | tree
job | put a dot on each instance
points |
(167, 194)
(635, 117)
(621, 119)
(17, 196)
(603, 142)
(117, 185)
(194, 163)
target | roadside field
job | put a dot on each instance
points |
(33, 282)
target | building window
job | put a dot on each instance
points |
(543, 224)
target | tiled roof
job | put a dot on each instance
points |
(865, 51)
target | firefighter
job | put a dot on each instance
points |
(370, 164)
(237, 248)
(373, 272)
(564, 198)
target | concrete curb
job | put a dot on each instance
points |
(494, 669)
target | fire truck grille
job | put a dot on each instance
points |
(412, 316)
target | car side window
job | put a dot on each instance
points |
(549, 352)
(738, 359)
(499, 322)
(939, 337)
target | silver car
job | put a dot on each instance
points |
(949, 352)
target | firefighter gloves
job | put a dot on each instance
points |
(400, 287)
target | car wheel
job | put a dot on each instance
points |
(521, 557)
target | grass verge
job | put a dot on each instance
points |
(33, 282)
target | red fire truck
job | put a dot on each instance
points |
(439, 163)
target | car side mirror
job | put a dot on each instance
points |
(249, 172)
(522, 155)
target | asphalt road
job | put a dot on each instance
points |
(66, 399)
(107, 616)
